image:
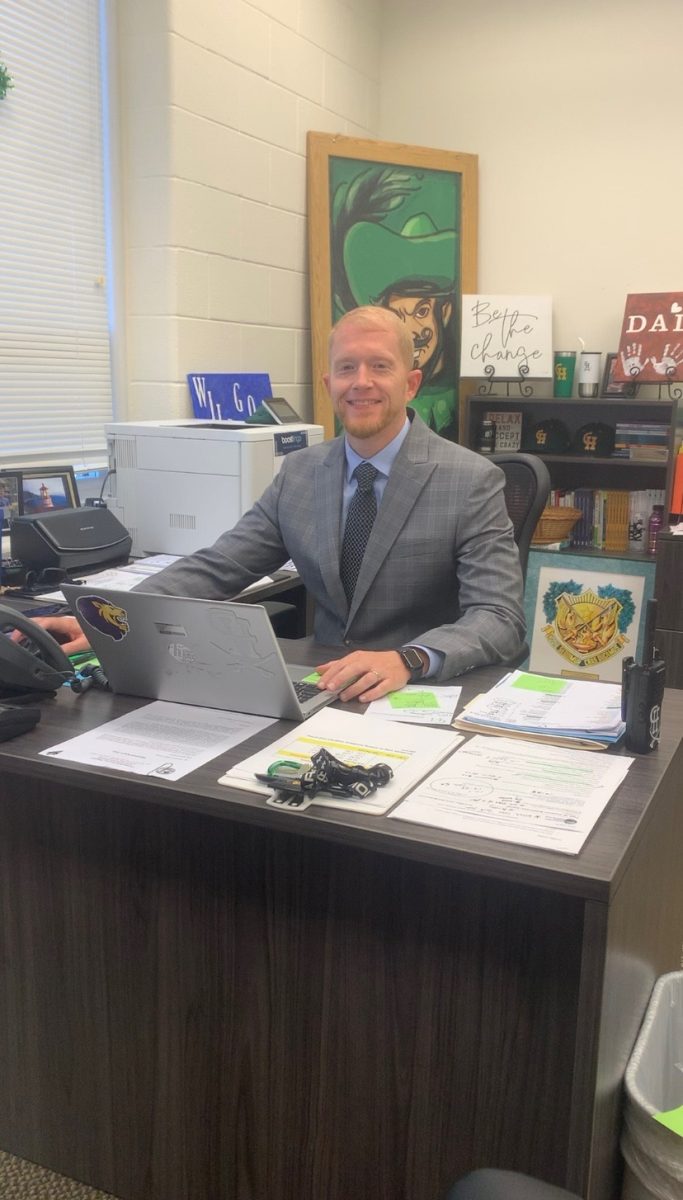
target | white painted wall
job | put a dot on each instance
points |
(216, 100)
(575, 112)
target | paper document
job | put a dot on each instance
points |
(353, 738)
(287, 568)
(418, 703)
(163, 739)
(123, 578)
(522, 792)
(547, 704)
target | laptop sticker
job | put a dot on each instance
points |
(104, 616)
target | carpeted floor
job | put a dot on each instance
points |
(21, 1180)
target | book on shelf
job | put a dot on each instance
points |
(659, 454)
(639, 428)
(598, 518)
(560, 498)
(616, 520)
(582, 533)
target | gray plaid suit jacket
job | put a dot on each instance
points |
(441, 568)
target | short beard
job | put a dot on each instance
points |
(366, 429)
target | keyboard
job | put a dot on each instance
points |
(305, 691)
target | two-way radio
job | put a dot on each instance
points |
(642, 691)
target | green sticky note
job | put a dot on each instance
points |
(413, 700)
(540, 683)
(312, 678)
(672, 1119)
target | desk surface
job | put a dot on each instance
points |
(196, 1001)
(593, 874)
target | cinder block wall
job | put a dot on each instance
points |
(216, 97)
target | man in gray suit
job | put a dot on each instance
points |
(438, 588)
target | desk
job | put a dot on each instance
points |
(205, 999)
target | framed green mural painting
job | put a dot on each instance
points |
(393, 225)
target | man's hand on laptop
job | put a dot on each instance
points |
(66, 631)
(364, 675)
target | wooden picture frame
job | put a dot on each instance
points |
(615, 387)
(395, 225)
(618, 587)
(44, 489)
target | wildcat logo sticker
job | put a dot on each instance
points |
(104, 616)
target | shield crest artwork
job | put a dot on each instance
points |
(585, 623)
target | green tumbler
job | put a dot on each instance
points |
(563, 372)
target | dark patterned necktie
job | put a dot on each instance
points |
(359, 521)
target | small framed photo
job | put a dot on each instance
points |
(612, 386)
(44, 489)
(10, 496)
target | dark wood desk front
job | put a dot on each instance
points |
(669, 593)
(205, 999)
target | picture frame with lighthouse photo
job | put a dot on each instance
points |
(44, 489)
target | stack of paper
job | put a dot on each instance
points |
(545, 796)
(353, 738)
(571, 712)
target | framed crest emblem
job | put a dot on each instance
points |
(586, 622)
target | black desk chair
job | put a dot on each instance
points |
(527, 487)
(506, 1185)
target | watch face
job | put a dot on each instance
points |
(412, 659)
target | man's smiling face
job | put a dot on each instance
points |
(370, 384)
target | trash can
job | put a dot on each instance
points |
(653, 1152)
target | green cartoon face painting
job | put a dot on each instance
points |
(395, 242)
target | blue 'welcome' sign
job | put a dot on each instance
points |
(227, 397)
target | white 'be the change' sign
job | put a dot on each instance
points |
(507, 335)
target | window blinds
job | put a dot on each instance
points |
(55, 380)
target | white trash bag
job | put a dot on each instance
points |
(652, 1152)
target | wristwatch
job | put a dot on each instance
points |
(414, 660)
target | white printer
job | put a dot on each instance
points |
(177, 485)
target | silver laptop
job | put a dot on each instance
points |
(205, 652)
